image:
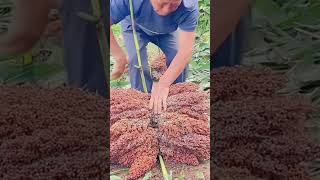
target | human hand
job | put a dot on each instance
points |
(120, 67)
(159, 97)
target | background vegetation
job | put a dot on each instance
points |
(285, 35)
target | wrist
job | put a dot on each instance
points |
(163, 82)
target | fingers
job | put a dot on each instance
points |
(155, 104)
(159, 105)
(158, 101)
(164, 103)
(151, 102)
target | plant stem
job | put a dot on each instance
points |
(163, 169)
(136, 42)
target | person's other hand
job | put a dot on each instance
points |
(120, 67)
(159, 95)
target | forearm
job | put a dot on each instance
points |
(115, 49)
(11, 44)
(225, 16)
(25, 28)
(177, 66)
(181, 60)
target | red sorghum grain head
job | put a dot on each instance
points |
(52, 134)
(237, 82)
(255, 129)
(181, 134)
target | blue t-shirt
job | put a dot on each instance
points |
(185, 17)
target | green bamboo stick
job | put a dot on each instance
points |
(163, 169)
(136, 42)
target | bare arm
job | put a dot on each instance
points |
(115, 49)
(186, 43)
(160, 90)
(28, 23)
(119, 56)
(225, 15)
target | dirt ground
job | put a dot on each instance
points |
(186, 171)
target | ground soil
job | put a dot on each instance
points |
(52, 134)
(183, 171)
(258, 133)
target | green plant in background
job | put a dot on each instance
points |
(5, 14)
(200, 63)
(286, 37)
(123, 82)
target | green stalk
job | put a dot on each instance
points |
(102, 35)
(136, 42)
(163, 169)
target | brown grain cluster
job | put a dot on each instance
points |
(237, 82)
(52, 134)
(138, 136)
(158, 66)
(256, 130)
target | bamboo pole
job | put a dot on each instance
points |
(136, 42)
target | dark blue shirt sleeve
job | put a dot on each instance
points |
(119, 9)
(189, 21)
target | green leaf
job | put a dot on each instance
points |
(200, 175)
(147, 176)
(309, 15)
(271, 10)
(114, 177)
(119, 171)
(182, 175)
